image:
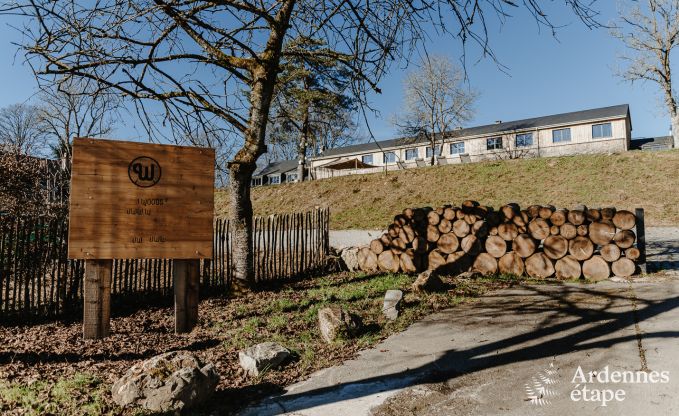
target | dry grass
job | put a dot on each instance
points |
(627, 180)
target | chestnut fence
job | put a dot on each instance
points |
(38, 280)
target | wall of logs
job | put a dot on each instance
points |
(538, 241)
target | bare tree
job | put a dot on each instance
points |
(436, 101)
(201, 59)
(21, 130)
(74, 108)
(650, 33)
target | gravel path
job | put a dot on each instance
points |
(662, 245)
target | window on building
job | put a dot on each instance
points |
(256, 181)
(273, 180)
(600, 131)
(456, 148)
(291, 177)
(494, 143)
(524, 139)
(390, 157)
(411, 154)
(561, 135)
(367, 159)
(430, 152)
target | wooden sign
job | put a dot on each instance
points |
(138, 200)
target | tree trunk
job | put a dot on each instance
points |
(244, 163)
(303, 144)
(675, 128)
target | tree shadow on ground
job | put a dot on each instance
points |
(584, 331)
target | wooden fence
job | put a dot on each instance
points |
(37, 279)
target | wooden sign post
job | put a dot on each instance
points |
(140, 201)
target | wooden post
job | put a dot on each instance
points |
(641, 238)
(97, 299)
(186, 277)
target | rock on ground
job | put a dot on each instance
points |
(173, 381)
(349, 257)
(260, 357)
(392, 301)
(335, 322)
(428, 281)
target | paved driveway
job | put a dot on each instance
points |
(515, 352)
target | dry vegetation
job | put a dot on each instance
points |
(627, 180)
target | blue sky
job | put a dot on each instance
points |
(544, 75)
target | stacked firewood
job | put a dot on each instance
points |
(540, 241)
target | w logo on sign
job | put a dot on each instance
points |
(144, 172)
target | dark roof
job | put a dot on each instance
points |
(529, 123)
(652, 143)
(280, 166)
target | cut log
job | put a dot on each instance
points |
(400, 220)
(539, 266)
(601, 233)
(522, 230)
(519, 221)
(469, 205)
(508, 211)
(386, 240)
(568, 267)
(485, 264)
(398, 244)
(376, 246)
(507, 231)
(568, 231)
(583, 230)
(470, 244)
(407, 262)
(408, 213)
(433, 233)
(436, 260)
(470, 218)
(393, 230)
(448, 243)
(596, 269)
(459, 214)
(546, 212)
(449, 214)
(496, 246)
(524, 245)
(608, 213)
(533, 211)
(559, 217)
(367, 260)
(624, 220)
(388, 261)
(480, 229)
(610, 252)
(433, 218)
(554, 230)
(581, 248)
(458, 262)
(632, 253)
(539, 228)
(576, 217)
(407, 234)
(454, 257)
(439, 211)
(420, 245)
(555, 247)
(493, 231)
(461, 228)
(593, 215)
(624, 238)
(511, 263)
(623, 267)
(445, 226)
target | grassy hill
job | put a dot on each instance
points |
(628, 180)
